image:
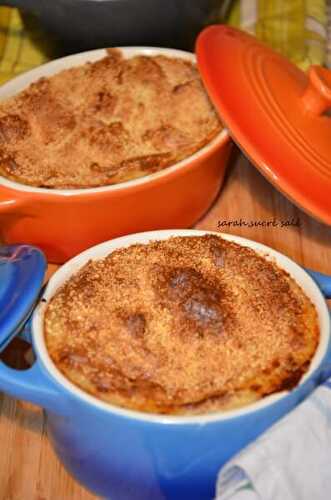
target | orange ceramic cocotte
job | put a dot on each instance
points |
(64, 222)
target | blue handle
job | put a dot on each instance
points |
(35, 384)
(323, 281)
(22, 270)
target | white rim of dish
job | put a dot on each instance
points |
(103, 249)
(21, 82)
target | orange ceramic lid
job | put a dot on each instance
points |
(278, 115)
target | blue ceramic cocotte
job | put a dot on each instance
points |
(122, 454)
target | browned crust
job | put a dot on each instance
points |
(105, 122)
(187, 325)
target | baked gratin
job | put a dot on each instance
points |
(184, 326)
(105, 122)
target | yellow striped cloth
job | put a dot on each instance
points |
(296, 28)
(23, 44)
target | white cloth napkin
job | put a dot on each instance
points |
(290, 461)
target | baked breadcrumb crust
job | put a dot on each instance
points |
(105, 122)
(184, 326)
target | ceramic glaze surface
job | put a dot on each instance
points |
(121, 454)
(22, 271)
(278, 115)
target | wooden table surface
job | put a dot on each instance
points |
(29, 469)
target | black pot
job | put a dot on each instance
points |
(86, 24)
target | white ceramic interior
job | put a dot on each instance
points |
(21, 82)
(100, 251)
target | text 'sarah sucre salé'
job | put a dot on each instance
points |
(294, 222)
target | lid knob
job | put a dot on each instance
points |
(317, 96)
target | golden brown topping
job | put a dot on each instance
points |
(105, 122)
(186, 325)
(13, 128)
(188, 293)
